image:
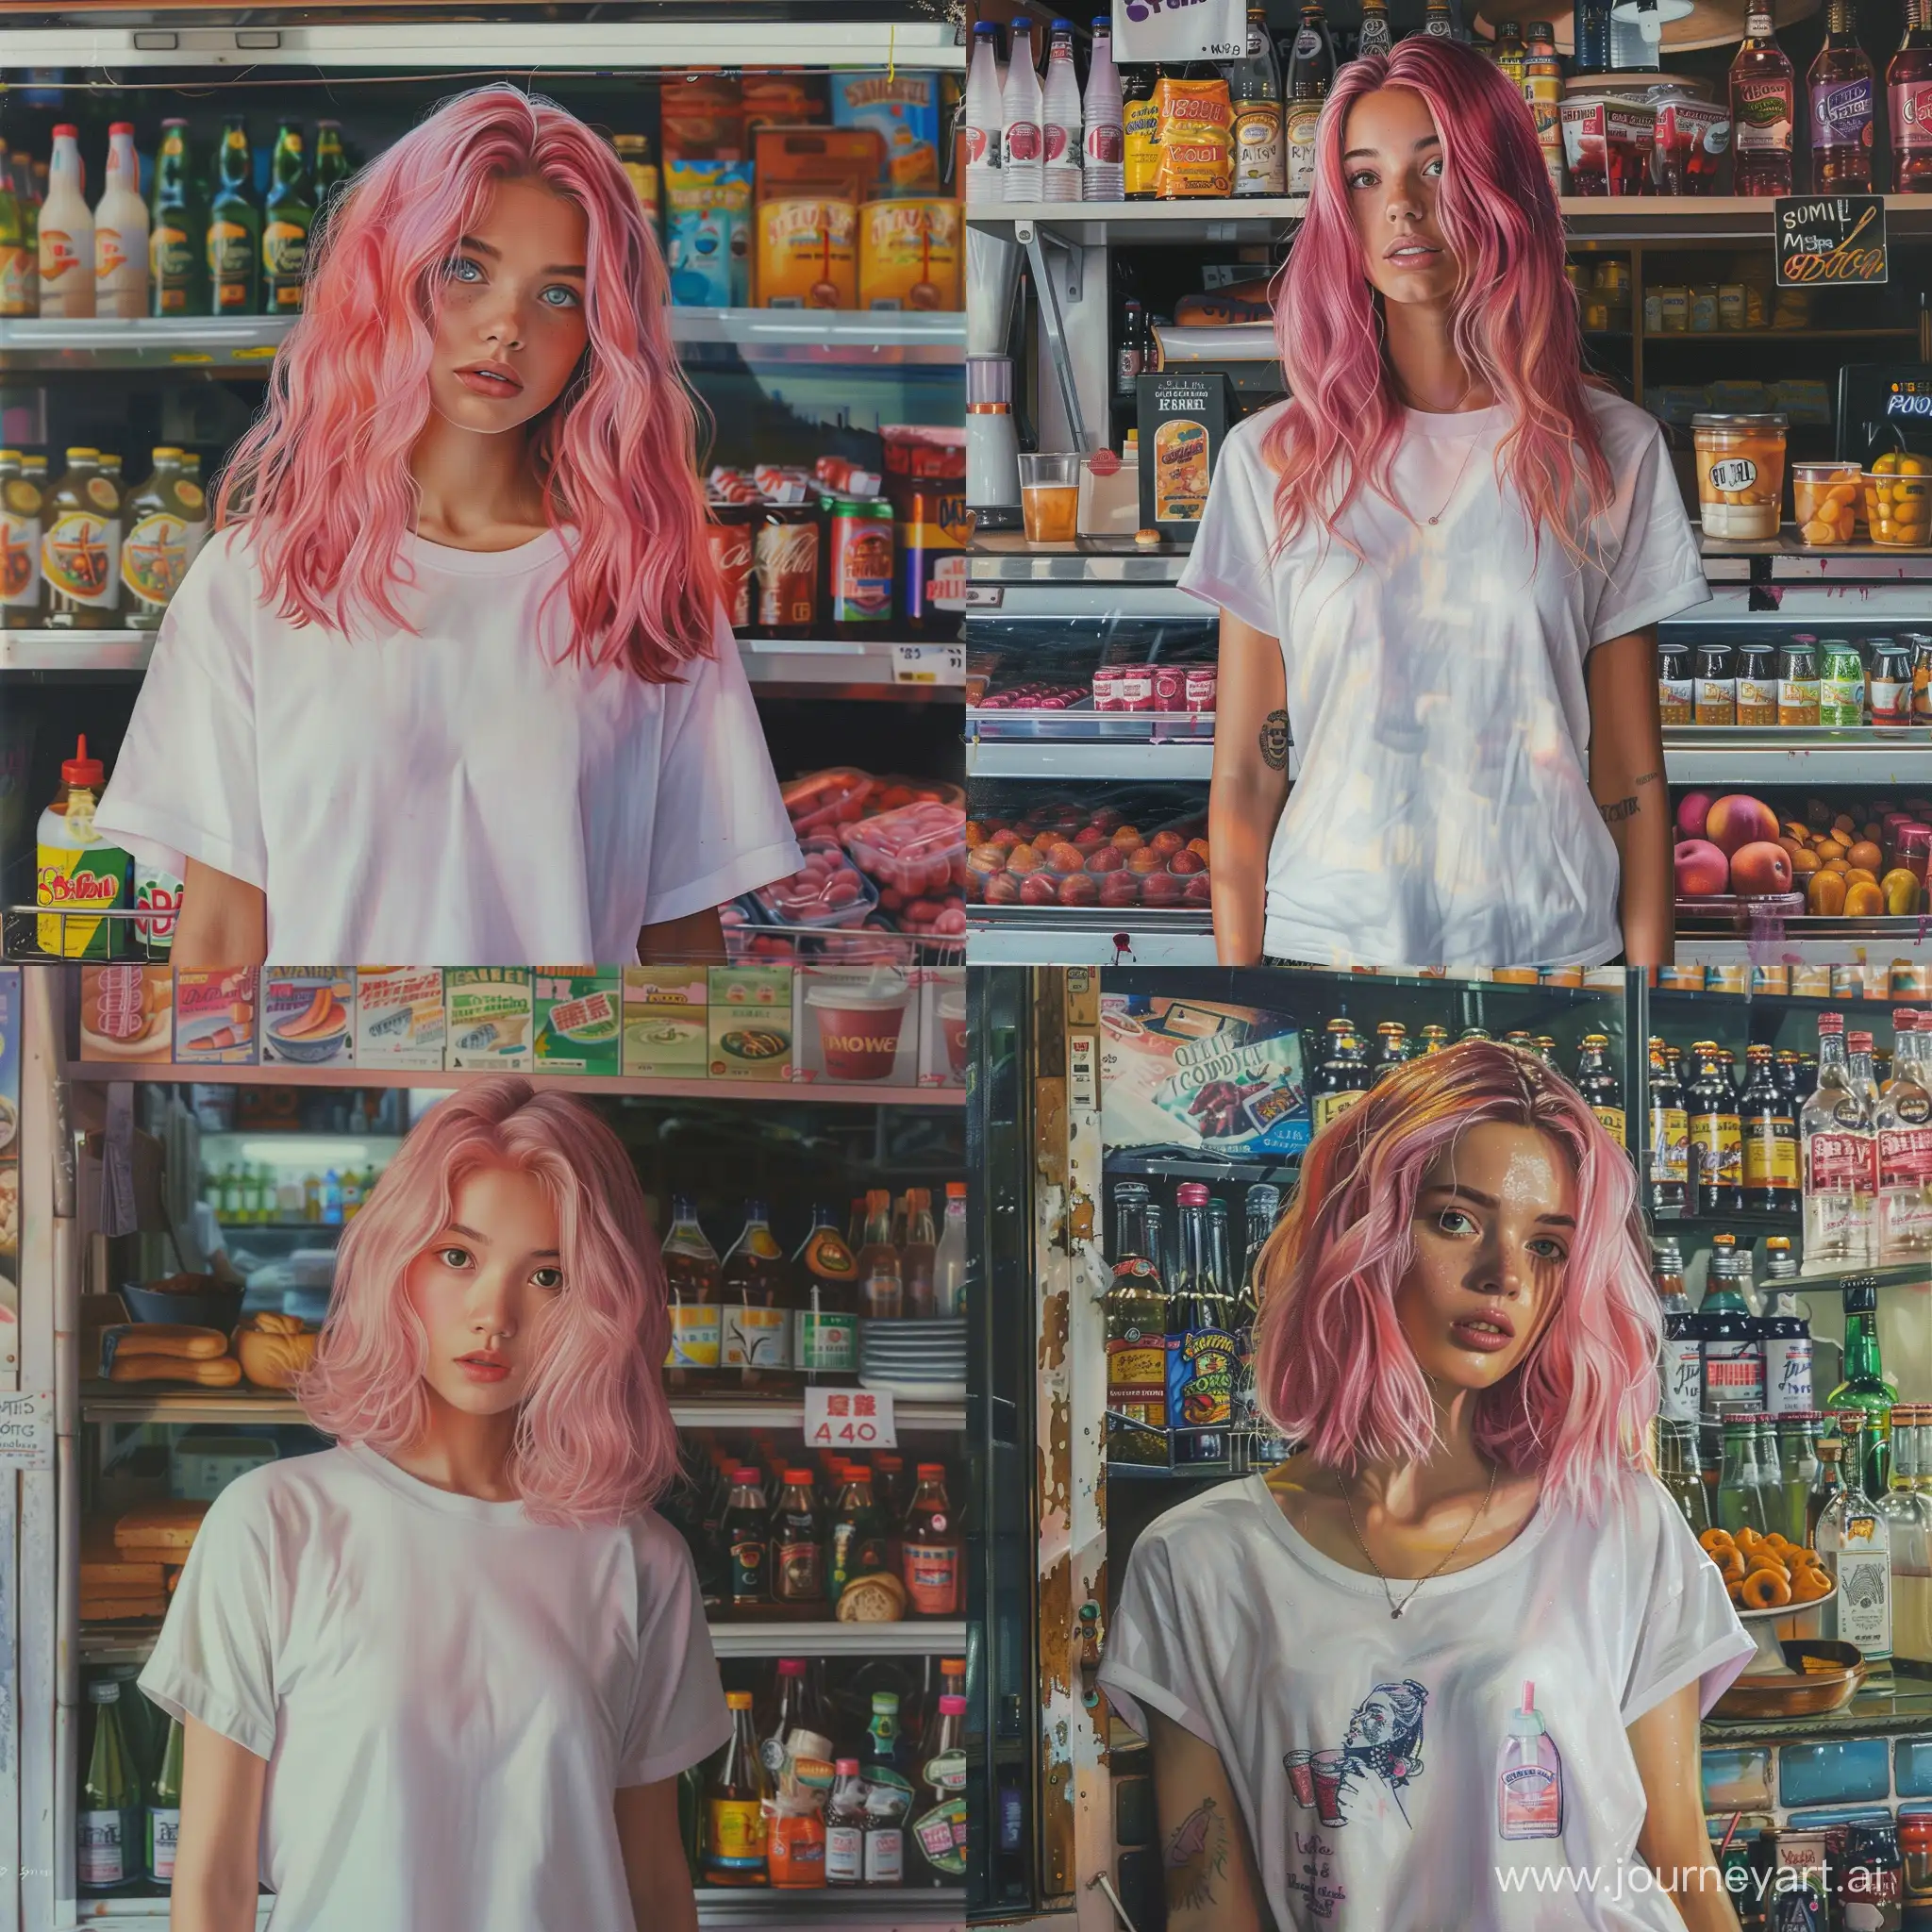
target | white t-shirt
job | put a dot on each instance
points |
(1441, 815)
(449, 1696)
(454, 797)
(1368, 1754)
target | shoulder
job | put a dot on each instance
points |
(1244, 446)
(1625, 430)
(1203, 1529)
(285, 1493)
(662, 1557)
(1639, 1528)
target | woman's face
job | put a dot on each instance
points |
(1392, 164)
(484, 1287)
(1495, 1224)
(512, 326)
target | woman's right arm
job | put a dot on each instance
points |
(216, 1857)
(1250, 785)
(1205, 1859)
(223, 921)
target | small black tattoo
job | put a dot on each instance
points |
(1615, 814)
(1649, 778)
(1274, 741)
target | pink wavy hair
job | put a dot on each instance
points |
(594, 1438)
(1334, 1371)
(323, 477)
(1514, 317)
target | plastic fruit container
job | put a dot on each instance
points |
(1825, 502)
(823, 801)
(828, 890)
(893, 791)
(1740, 473)
(1898, 501)
(918, 850)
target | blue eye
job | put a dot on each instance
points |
(459, 268)
(566, 298)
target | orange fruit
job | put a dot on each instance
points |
(1866, 856)
(1863, 900)
(1844, 822)
(1792, 829)
(1802, 858)
(1901, 888)
(1824, 894)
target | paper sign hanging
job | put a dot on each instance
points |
(1149, 31)
(849, 1418)
(1829, 241)
(26, 1430)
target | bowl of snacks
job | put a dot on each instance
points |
(1898, 500)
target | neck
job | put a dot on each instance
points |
(466, 1454)
(468, 484)
(1429, 372)
(1407, 1490)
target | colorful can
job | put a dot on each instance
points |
(1170, 686)
(909, 255)
(1201, 681)
(1890, 686)
(1106, 689)
(1841, 686)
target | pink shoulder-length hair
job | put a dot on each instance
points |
(1334, 1371)
(323, 477)
(1514, 317)
(594, 1440)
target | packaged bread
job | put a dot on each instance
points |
(878, 1598)
(122, 1609)
(175, 1338)
(909, 255)
(106, 1570)
(165, 1528)
(1195, 121)
(223, 1371)
(274, 1349)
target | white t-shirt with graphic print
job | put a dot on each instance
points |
(1388, 1771)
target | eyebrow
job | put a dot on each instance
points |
(1370, 154)
(556, 268)
(1460, 1189)
(483, 1241)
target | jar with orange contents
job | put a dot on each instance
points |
(1741, 472)
(1825, 502)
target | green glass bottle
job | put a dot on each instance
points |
(234, 226)
(1740, 1500)
(175, 281)
(1865, 1387)
(331, 163)
(1677, 1468)
(165, 1808)
(290, 215)
(108, 1827)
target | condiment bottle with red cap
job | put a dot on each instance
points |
(78, 875)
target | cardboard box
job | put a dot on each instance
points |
(1201, 1074)
(750, 1022)
(664, 1022)
(215, 1015)
(943, 1041)
(308, 1016)
(857, 1024)
(128, 1013)
(1183, 421)
(489, 1014)
(399, 1017)
(579, 1020)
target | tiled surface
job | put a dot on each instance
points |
(1911, 1762)
(1738, 1780)
(1840, 1771)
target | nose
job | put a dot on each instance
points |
(1496, 1270)
(501, 322)
(490, 1306)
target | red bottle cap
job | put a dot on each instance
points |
(932, 1472)
(952, 1706)
(80, 769)
(792, 1666)
(745, 1474)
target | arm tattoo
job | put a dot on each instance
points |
(1615, 814)
(1647, 777)
(1274, 741)
(1196, 1857)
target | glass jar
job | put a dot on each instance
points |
(1797, 683)
(1675, 684)
(1898, 500)
(1757, 685)
(1716, 697)
(1825, 502)
(1741, 472)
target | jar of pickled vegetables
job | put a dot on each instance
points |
(1825, 502)
(1741, 472)
(1898, 500)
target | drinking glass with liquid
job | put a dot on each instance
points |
(1050, 497)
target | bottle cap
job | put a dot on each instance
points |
(737, 1699)
(104, 1691)
(1860, 1043)
(80, 769)
(745, 1474)
(952, 1666)
(885, 1702)
(120, 128)
(797, 1477)
(951, 1704)
(67, 127)
(792, 1666)
(932, 1472)
(956, 1190)
(1191, 1194)
(848, 1767)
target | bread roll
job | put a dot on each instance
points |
(879, 1598)
(273, 1357)
(223, 1372)
(166, 1528)
(120, 1609)
(105, 1572)
(174, 1338)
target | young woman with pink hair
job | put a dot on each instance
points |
(444, 1675)
(451, 682)
(1440, 566)
(1444, 1666)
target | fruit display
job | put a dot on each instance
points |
(1851, 860)
(1898, 500)
(1035, 697)
(1825, 502)
(1072, 855)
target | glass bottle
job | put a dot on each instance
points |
(1391, 1050)
(755, 1315)
(888, 1796)
(1200, 1349)
(1839, 87)
(165, 1808)
(234, 227)
(1907, 1507)
(938, 1827)
(1434, 1039)
(1835, 1132)
(881, 1289)
(930, 1552)
(164, 521)
(176, 283)
(1136, 1315)
(1854, 1545)
(1909, 88)
(1374, 36)
(80, 546)
(747, 1535)
(20, 543)
(1680, 1470)
(289, 217)
(917, 1257)
(825, 1274)
(1786, 1335)
(857, 1542)
(846, 1825)
(1682, 1366)
(693, 1294)
(331, 169)
(1600, 1087)
(1255, 89)
(1902, 1137)
(1343, 1077)
(1717, 1155)
(1866, 1389)
(1797, 1442)
(1829, 1482)
(1740, 1500)
(1733, 1351)
(108, 1827)
(1763, 108)
(1769, 1136)
(735, 1792)
(1771, 1475)
(1670, 1136)
(1310, 74)
(798, 1548)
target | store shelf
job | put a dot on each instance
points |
(929, 1908)
(1900, 1705)
(1002, 557)
(1914, 931)
(1196, 220)
(1741, 755)
(73, 652)
(1785, 561)
(1656, 338)
(1045, 758)
(1128, 938)
(915, 1637)
(849, 338)
(1649, 219)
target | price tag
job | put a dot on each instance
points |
(26, 1430)
(849, 1418)
(984, 596)
(1083, 1072)
(929, 664)
(1826, 239)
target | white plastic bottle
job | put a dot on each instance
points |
(984, 122)
(1023, 137)
(949, 1257)
(67, 233)
(1060, 172)
(121, 231)
(1103, 173)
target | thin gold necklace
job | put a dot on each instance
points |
(1462, 469)
(1396, 1609)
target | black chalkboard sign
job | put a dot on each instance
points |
(1821, 240)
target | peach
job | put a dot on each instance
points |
(1702, 868)
(1005, 838)
(1824, 894)
(1186, 862)
(1197, 890)
(1090, 837)
(1126, 837)
(1694, 810)
(1167, 842)
(1065, 858)
(1199, 846)
(1145, 858)
(1902, 889)
(986, 859)
(1037, 889)
(1082, 888)
(1120, 889)
(1162, 888)
(1003, 888)
(1759, 869)
(1109, 858)
(1024, 858)
(1803, 860)
(1738, 819)
(1866, 856)
(1863, 900)
(1107, 818)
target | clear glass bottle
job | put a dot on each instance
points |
(1785, 1334)
(1836, 1132)
(1680, 1472)
(1906, 1507)
(1841, 88)
(1855, 1544)
(1763, 90)
(1681, 1369)
(1740, 1500)
(1797, 1441)
(1902, 1136)
(1136, 1316)
(1908, 84)
(1670, 1136)
(1260, 165)
(1728, 1334)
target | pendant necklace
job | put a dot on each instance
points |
(1396, 1609)
(1461, 470)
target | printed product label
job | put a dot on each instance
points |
(751, 1569)
(20, 555)
(1612, 1120)
(1532, 1799)
(736, 1841)
(170, 265)
(844, 1854)
(163, 1830)
(801, 1569)
(696, 1336)
(940, 1833)
(1733, 472)
(1683, 1378)
(1200, 1379)
(19, 282)
(399, 1016)
(155, 557)
(1304, 117)
(59, 257)
(78, 558)
(885, 1854)
(100, 1848)
(1788, 1374)
(853, 1555)
(1756, 701)
(1137, 1379)
(828, 1344)
(71, 882)
(1771, 1158)
(285, 257)
(1864, 1578)
(1837, 1163)
(1142, 162)
(787, 563)
(1676, 699)
(861, 572)
(931, 1575)
(755, 1337)
(1911, 115)
(1764, 123)
(1717, 1142)
(1670, 1144)
(1905, 1159)
(946, 1773)
(230, 264)
(1331, 1106)
(1733, 1376)
(1259, 165)
(1841, 115)
(1104, 145)
(1022, 142)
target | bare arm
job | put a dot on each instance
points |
(1673, 1842)
(223, 922)
(216, 1857)
(1211, 1882)
(698, 937)
(1250, 785)
(1626, 778)
(655, 1871)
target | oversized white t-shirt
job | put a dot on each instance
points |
(1441, 815)
(453, 797)
(448, 1695)
(1368, 1753)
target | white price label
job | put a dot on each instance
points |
(1083, 1072)
(26, 1430)
(984, 596)
(849, 1418)
(929, 664)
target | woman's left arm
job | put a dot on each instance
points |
(698, 938)
(661, 1899)
(1674, 1842)
(1626, 778)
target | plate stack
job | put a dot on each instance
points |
(917, 1361)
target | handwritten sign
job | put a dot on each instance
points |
(1823, 239)
(849, 1418)
(26, 1430)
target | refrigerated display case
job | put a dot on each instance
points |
(1089, 1104)
(134, 1173)
(862, 401)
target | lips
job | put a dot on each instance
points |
(485, 1365)
(490, 379)
(1411, 254)
(1487, 1334)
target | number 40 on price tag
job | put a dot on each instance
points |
(849, 1418)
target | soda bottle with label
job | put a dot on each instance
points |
(937, 1829)
(1261, 166)
(1542, 91)
(693, 1292)
(1311, 74)
(79, 872)
(20, 545)
(20, 295)
(1391, 1049)
(1060, 124)
(332, 174)
(798, 1548)
(929, 1548)
(746, 1533)
(1136, 1315)
(1770, 1134)
(1343, 1077)
(1601, 1091)
(1022, 114)
(1103, 131)
(1374, 36)
(1728, 1332)
(176, 283)
(108, 1828)
(165, 1808)
(1902, 1132)
(1140, 127)
(66, 234)
(858, 1544)
(1854, 1541)
(1763, 108)
(1835, 1135)
(163, 519)
(1908, 89)
(234, 227)
(919, 1256)
(983, 126)
(1682, 1368)
(1717, 1154)
(846, 1825)
(287, 221)
(825, 1326)
(755, 1338)
(1200, 1344)
(734, 1852)
(881, 1286)
(121, 252)
(888, 1796)
(1787, 1336)
(1841, 92)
